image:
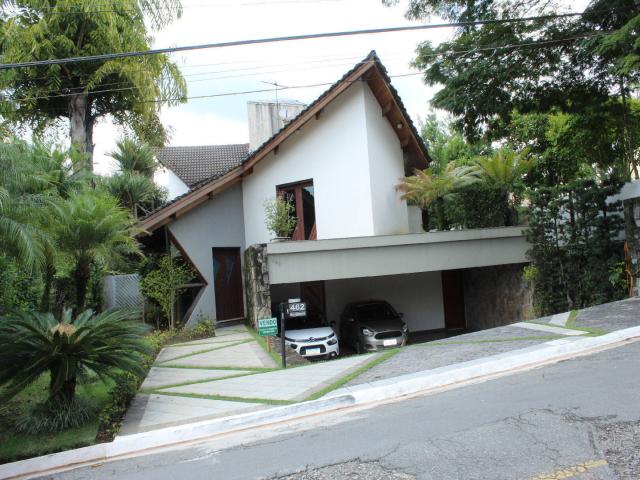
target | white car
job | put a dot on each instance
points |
(311, 336)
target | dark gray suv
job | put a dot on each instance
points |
(368, 326)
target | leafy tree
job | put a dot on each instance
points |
(164, 283)
(585, 66)
(68, 349)
(130, 90)
(574, 232)
(92, 228)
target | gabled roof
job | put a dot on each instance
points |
(370, 70)
(193, 165)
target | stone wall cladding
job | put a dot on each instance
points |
(496, 296)
(256, 282)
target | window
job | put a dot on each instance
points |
(301, 196)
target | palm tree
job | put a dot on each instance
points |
(135, 191)
(32, 344)
(134, 157)
(505, 170)
(91, 227)
(434, 185)
(133, 185)
(23, 191)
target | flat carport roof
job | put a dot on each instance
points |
(304, 261)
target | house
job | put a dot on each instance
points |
(339, 159)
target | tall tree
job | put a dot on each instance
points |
(130, 90)
(586, 65)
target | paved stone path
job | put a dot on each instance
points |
(224, 375)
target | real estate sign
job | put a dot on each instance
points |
(267, 327)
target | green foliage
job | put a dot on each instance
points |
(134, 157)
(92, 228)
(54, 416)
(136, 192)
(479, 205)
(69, 349)
(164, 283)
(280, 217)
(19, 289)
(574, 236)
(38, 30)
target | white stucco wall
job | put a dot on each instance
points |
(386, 166)
(165, 178)
(418, 296)
(215, 223)
(332, 151)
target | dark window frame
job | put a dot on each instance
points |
(299, 232)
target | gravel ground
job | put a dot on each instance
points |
(349, 471)
(620, 443)
(611, 316)
(448, 351)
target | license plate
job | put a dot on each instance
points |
(312, 351)
(390, 342)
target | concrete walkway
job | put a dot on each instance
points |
(224, 375)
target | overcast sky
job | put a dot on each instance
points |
(236, 69)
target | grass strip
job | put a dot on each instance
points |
(592, 332)
(350, 376)
(194, 382)
(206, 351)
(571, 321)
(188, 344)
(497, 340)
(266, 401)
(219, 367)
(263, 343)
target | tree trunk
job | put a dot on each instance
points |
(81, 276)
(49, 274)
(81, 126)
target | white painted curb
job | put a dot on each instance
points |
(379, 391)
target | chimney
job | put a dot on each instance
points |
(267, 118)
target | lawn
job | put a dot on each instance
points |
(14, 446)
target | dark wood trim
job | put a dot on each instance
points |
(301, 183)
(183, 252)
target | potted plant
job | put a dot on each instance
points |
(280, 218)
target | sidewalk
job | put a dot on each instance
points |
(225, 375)
(231, 373)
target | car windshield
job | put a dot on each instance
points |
(313, 319)
(375, 311)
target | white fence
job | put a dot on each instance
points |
(122, 291)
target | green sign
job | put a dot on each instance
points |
(267, 327)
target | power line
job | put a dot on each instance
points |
(289, 38)
(454, 52)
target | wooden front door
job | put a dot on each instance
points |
(453, 300)
(227, 281)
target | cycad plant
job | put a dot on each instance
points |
(68, 349)
(433, 185)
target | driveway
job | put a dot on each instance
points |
(225, 375)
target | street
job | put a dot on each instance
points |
(576, 419)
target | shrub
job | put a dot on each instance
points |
(280, 217)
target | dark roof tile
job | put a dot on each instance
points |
(194, 165)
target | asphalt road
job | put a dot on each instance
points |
(577, 419)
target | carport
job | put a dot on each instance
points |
(455, 279)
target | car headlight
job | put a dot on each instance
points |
(366, 332)
(333, 341)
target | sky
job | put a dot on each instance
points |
(223, 119)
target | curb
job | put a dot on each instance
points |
(360, 395)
